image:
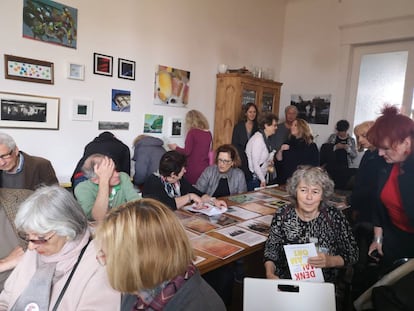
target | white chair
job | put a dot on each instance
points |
(265, 294)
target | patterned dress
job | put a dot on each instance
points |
(330, 228)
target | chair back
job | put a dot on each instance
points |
(289, 295)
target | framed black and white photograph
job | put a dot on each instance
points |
(102, 64)
(76, 71)
(126, 69)
(82, 110)
(29, 111)
(176, 127)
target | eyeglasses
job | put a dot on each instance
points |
(7, 155)
(224, 161)
(41, 240)
(101, 258)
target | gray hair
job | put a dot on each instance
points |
(311, 176)
(88, 168)
(52, 208)
(291, 107)
(7, 140)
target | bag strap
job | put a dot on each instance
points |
(70, 277)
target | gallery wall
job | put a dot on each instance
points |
(191, 35)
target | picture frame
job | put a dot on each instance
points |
(103, 64)
(28, 69)
(126, 69)
(82, 110)
(29, 111)
(176, 127)
(76, 71)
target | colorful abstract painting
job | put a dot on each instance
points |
(121, 100)
(153, 123)
(171, 86)
(50, 21)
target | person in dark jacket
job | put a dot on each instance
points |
(107, 144)
(148, 151)
(298, 150)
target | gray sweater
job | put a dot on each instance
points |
(210, 178)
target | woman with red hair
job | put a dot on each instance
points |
(393, 135)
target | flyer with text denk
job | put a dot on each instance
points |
(297, 256)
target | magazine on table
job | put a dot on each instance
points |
(242, 235)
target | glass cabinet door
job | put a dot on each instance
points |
(248, 96)
(267, 102)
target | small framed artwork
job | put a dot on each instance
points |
(28, 69)
(153, 123)
(102, 64)
(82, 109)
(76, 71)
(126, 69)
(29, 111)
(176, 127)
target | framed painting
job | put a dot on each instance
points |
(153, 123)
(102, 64)
(76, 71)
(82, 110)
(29, 111)
(51, 22)
(176, 127)
(171, 86)
(28, 69)
(126, 69)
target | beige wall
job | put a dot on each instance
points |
(317, 47)
(186, 34)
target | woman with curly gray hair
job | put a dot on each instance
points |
(310, 219)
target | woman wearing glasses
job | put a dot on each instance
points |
(161, 275)
(170, 187)
(59, 271)
(224, 177)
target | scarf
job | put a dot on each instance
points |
(172, 190)
(156, 299)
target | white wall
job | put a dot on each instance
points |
(186, 34)
(317, 46)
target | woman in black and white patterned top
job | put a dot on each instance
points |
(310, 219)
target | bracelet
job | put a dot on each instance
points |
(378, 239)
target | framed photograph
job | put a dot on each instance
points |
(29, 111)
(176, 127)
(82, 110)
(126, 69)
(28, 69)
(103, 64)
(76, 71)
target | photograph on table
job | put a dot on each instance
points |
(29, 111)
(51, 22)
(171, 86)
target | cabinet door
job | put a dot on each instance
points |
(250, 94)
(269, 100)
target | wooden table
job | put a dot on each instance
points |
(212, 262)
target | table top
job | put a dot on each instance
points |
(241, 231)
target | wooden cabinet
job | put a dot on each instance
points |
(235, 90)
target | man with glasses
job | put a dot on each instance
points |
(19, 170)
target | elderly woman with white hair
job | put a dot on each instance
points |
(59, 271)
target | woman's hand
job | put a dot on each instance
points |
(374, 250)
(220, 203)
(270, 270)
(172, 146)
(12, 259)
(326, 261)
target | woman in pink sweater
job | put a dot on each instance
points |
(197, 145)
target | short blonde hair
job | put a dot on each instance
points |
(195, 119)
(145, 245)
(362, 129)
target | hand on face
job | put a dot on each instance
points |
(105, 169)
